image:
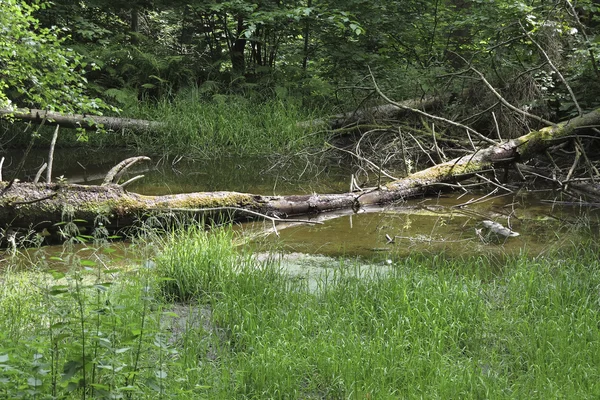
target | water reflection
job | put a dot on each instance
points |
(444, 224)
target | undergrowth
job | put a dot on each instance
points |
(427, 327)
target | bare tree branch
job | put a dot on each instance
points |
(430, 116)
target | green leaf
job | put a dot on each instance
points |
(122, 350)
(35, 382)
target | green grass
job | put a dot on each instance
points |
(224, 125)
(197, 126)
(428, 327)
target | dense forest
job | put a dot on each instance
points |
(104, 56)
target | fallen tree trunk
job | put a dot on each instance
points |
(93, 122)
(43, 205)
(88, 122)
(368, 115)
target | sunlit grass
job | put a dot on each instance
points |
(424, 327)
(224, 125)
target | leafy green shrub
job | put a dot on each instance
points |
(77, 335)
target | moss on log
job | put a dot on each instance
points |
(42, 205)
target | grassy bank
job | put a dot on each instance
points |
(429, 327)
(225, 124)
(197, 125)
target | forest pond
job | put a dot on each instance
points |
(450, 223)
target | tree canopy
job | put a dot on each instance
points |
(37, 68)
(123, 52)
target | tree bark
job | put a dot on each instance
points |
(43, 205)
(88, 122)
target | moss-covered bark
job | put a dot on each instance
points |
(42, 205)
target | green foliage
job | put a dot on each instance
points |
(423, 330)
(76, 334)
(195, 262)
(425, 327)
(36, 69)
(201, 122)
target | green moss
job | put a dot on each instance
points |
(191, 201)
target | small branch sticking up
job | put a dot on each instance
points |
(497, 126)
(40, 172)
(1, 166)
(243, 210)
(422, 149)
(118, 170)
(130, 181)
(507, 104)
(51, 155)
(371, 163)
(586, 38)
(551, 64)
(440, 152)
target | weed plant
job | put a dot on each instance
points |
(427, 327)
(195, 264)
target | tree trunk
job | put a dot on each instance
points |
(88, 122)
(42, 205)
(368, 115)
(238, 57)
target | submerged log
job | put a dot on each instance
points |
(88, 122)
(43, 205)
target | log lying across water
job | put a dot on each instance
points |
(43, 205)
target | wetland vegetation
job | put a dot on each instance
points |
(419, 326)
(414, 299)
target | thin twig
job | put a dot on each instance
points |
(20, 203)
(574, 166)
(130, 181)
(471, 141)
(51, 155)
(1, 165)
(507, 104)
(40, 172)
(493, 183)
(480, 199)
(553, 67)
(587, 40)
(439, 151)
(593, 168)
(22, 163)
(255, 213)
(431, 116)
(371, 163)
(117, 171)
(422, 149)
(497, 126)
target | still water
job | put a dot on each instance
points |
(450, 223)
